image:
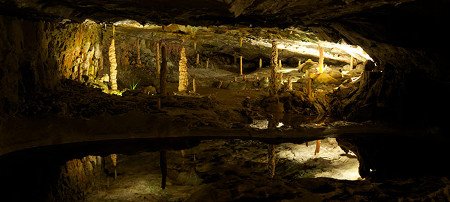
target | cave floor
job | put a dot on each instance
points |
(75, 113)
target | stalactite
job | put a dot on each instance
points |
(240, 66)
(321, 58)
(158, 59)
(195, 45)
(163, 75)
(280, 64)
(271, 160)
(260, 63)
(207, 63)
(163, 166)
(113, 62)
(317, 147)
(241, 42)
(183, 80)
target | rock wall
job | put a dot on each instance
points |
(405, 84)
(36, 55)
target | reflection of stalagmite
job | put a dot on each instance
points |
(183, 74)
(321, 58)
(113, 62)
(163, 166)
(271, 160)
(317, 147)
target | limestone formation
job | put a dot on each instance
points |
(275, 81)
(240, 66)
(321, 58)
(183, 81)
(113, 63)
(158, 59)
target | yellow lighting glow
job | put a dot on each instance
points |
(334, 51)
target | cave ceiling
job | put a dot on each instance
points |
(264, 13)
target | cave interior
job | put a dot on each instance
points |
(224, 100)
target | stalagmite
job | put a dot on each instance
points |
(197, 60)
(290, 84)
(274, 76)
(163, 166)
(139, 62)
(280, 65)
(113, 62)
(351, 62)
(158, 103)
(86, 66)
(207, 63)
(320, 66)
(240, 66)
(309, 90)
(260, 63)
(317, 147)
(163, 75)
(114, 162)
(98, 55)
(194, 86)
(158, 59)
(271, 160)
(183, 74)
(299, 64)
